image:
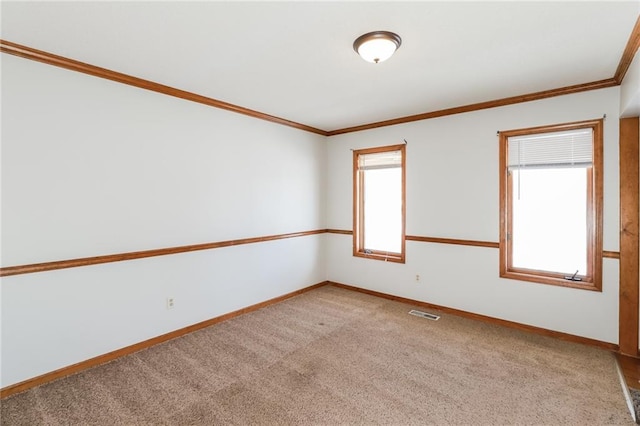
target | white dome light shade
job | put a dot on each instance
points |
(377, 46)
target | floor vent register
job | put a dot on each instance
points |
(424, 315)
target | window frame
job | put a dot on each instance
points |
(592, 280)
(358, 209)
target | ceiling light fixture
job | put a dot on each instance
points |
(377, 46)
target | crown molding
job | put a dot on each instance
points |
(633, 44)
(594, 85)
(73, 65)
(629, 52)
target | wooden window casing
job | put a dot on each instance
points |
(359, 220)
(592, 280)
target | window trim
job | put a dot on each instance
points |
(358, 211)
(593, 279)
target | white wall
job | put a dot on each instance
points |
(452, 192)
(92, 167)
(630, 90)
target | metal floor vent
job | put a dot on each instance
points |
(424, 315)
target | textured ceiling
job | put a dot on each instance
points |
(295, 60)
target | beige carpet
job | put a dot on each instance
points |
(332, 356)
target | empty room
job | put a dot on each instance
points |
(195, 228)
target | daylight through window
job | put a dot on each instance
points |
(379, 203)
(551, 196)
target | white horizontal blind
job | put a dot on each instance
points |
(570, 148)
(380, 160)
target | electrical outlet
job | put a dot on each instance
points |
(170, 302)
(417, 277)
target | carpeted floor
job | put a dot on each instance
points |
(333, 356)
(635, 398)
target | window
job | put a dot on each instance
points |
(551, 204)
(378, 205)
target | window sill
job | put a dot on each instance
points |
(550, 280)
(391, 257)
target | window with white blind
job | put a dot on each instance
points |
(378, 206)
(551, 204)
